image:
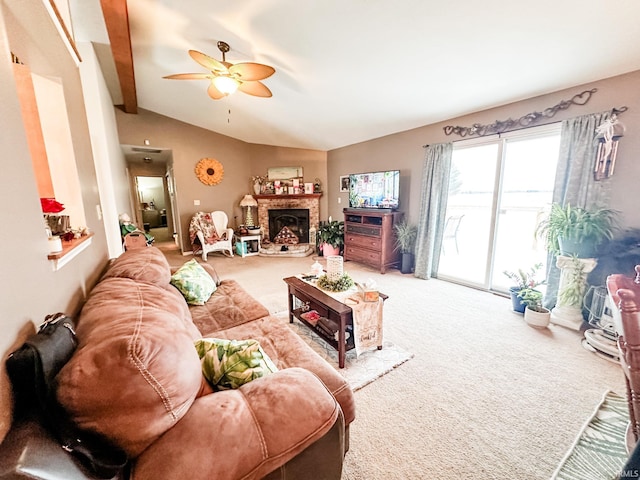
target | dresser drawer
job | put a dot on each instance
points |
(363, 241)
(362, 229)
(357, 253)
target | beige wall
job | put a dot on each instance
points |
(239, 159)
(405, 150)
(29, 288)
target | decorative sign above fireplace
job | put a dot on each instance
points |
(284, 173)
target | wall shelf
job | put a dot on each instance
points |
(70, 250)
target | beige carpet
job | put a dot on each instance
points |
(485, 397)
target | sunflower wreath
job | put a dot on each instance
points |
(209, 171)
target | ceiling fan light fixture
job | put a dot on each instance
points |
(226, 85)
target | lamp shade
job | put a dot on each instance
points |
(248, 201)
(226, 85)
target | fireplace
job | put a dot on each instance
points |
(309, 202)
(295, 219)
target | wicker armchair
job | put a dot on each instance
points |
(209, 232)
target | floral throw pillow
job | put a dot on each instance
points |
(193, 281)
(228, 364)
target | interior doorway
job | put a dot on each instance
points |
(152, 192)
(152, 205)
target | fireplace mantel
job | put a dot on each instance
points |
(298, 195)
(310, 201)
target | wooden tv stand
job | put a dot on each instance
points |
(369, 237)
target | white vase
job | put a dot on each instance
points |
(256, 188)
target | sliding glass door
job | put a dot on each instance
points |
(500, 189)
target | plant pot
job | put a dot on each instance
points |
(406, 266)
(537, 319)
(582, 249)
(328, 250)
(516, 301)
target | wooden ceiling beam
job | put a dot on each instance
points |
(116, 17)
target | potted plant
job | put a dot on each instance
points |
(522, 279)
(534, 314)
(331, 237)
(406, 234)
(576, 231)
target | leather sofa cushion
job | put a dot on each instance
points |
(244, 433)
(136, 371)
(230, 305)
(147, 265)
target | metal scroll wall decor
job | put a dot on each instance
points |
(500, 126)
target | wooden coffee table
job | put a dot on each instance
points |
(313, 298)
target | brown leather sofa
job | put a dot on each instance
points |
(136, 378)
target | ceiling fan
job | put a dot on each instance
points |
(226, 77)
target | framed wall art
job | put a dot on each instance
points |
(344, 183)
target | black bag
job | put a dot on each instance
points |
(32, 370)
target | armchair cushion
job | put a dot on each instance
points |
(202, 223)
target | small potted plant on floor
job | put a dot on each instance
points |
(406, 235)
(534, 314)
(522, 279)
(331, 237)
(575, 231)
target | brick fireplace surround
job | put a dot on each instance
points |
(309, 201)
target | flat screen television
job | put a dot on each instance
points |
(375, 190)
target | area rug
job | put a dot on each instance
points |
(358, 371)
(599, 452)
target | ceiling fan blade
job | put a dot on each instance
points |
(251, 71)
(215, 93)
(207, 62)
(257, 89)
(189, 76)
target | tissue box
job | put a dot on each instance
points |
(370, 295)
(368, 291)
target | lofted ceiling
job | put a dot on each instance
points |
(348, 71)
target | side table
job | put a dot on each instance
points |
(249, 244)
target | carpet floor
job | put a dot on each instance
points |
(485, 396)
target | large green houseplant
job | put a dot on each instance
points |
(406, 235)
(576, 231)
(331, 237)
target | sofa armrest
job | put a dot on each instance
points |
(243, 433)
(30, 451)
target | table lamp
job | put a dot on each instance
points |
(249, 203)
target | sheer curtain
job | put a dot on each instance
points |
(575, 182)
(433, 205)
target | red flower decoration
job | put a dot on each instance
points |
(50, 205)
